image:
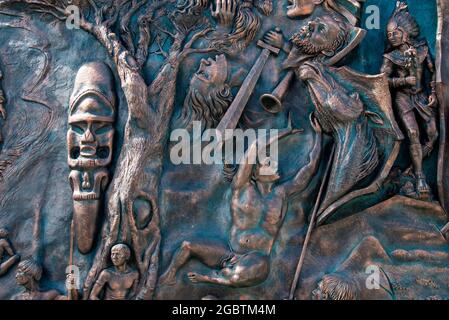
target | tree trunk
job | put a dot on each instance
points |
(138, 173)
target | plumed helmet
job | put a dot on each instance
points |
(402, 19)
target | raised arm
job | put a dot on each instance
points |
(305, 174)
(245, 170)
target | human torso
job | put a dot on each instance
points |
(256, 218)
(119, 284)
(402, 68)
(37, 295)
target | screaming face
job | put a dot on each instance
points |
(209, 94)
(211, 73)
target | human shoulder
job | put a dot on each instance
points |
(396, 57)
(423, 48)
(105, 274)
(134, 273)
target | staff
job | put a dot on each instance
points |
(310, 229)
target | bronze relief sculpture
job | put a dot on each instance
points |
(415, 99)
(90, 145)
(6, 250)
(120, 282)
(258, 208)
(352, 119)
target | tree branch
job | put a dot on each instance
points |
(145, 33)
(125, 24)
(112, 20)
(161, 48)
(52, 13)
(188, 50)
(35, 2)
(172, 35)
(197, 36)
(93, 5)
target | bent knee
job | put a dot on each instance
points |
(186, 245)
(433, 135)
(413, 135)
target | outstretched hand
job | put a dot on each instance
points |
(224, 11)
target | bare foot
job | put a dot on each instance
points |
(195, 277)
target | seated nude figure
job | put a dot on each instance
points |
(119, 282)
(258, 209)
(5, 247)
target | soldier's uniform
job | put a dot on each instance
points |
(412, 101)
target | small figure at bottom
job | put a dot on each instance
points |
(120, 282)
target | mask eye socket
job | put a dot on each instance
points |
(77, 128)
(103, 152)
(101, 128)
(75, 153)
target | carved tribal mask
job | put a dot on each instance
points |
(90, 141)
(91, 118)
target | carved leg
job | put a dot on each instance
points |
(415, 145)
(432, 136)
(5, 266)
(209, 254)
(215, 279)
(416, 151)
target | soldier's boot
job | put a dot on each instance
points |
(422, 188)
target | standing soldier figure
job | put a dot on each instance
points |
(404, 65)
